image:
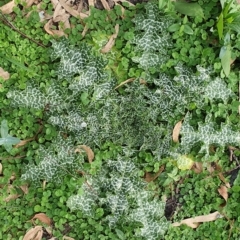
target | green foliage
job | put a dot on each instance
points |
(78, 103)
(192, 9)
(228, 22)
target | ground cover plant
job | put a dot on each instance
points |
(127, 127)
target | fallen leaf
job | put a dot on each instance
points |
(73, 12)
(88, 150)
(105, 4)
(91, 3)
(117, 1)
(176, 131)
(29, 2)
(50, 31)
(222, 178)
(34, 233)
(67, 238)
(8, 8)
(124, 82)
(24, 188)
(84, 30)
(223, 192)
(195, 221)
(13, 177)
(111, 41)
(42, 217)
(23, 142)
(3, 74)
(197, 167)
(11, 197)
(151, 177)
(49, 230)
(60, 14)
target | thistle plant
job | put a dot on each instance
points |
(118, 189)
(208, 135)
(141, 118)
(151, 39)
(56, 161)
(91, 111)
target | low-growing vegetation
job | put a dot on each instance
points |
(119, 120)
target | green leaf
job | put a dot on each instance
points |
(9, 140)
(120, 234)
(184, 162)
(84, 98)
(189, 9)
(8, 147)
(225, 56)
(226, 8)
(220, 26)
(188, 30)
(174, 27)
(161, 4)
(4, 129)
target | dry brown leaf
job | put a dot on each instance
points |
(34, 233)
(62, 18)
(30, 3)
(42, 217)
(130, 4)
(8, 8)
(105, 4)
(49, 230)
(151, 177)
(197, 167)
(88, 150)
(111, 41)
(58, 12)
(3, 74)
(223, 192)
(48, 29)
(23, 142)
(210, 168)
(1, 169)
(91, 3)
(24, 188)
(11, 197)
(44, 184)
(124, 82)
(84, 30)
(67, 238)
(222, 178)
(195, 221)
(176, 131)
(73, 12)
(13, 177)
(54, 3)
